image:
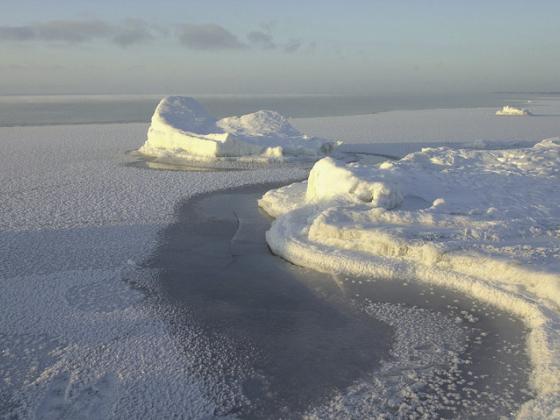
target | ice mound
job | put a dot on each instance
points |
(329, 179)
(484, 222)
(181, 128)
(512, 111)
(260, 123)
(182, 113)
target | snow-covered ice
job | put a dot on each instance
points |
(182, 129)
(83, 330)
(485, 222)
(512, 111)
(427, 344)
(401, 132)
(428, 350)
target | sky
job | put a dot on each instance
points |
(279, 47)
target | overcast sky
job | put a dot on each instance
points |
(234, 46)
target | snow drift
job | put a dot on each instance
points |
(181, 128)
(512, 111)
(484, 222)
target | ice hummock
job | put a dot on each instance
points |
(182, 128)
(484, 222)
(512, 111)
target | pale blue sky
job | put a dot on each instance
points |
(220, 46)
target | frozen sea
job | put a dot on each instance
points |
(89, 109)
(137, 293)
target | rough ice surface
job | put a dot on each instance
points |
(512, 111)
(182, 129)
(83, 334)
(426, 350)
(90, 184)
(82, 329)
(485, 222)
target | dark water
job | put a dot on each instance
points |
(284, 339)
(300, 346)
(18, 111)
(225, 164)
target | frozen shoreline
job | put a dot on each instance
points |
(74, 224)
(403, 132)
(243, 281)
(70, 190)
(96, 109)
(482, 222)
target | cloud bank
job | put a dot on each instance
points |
(261, 39)
(128, 32)
(209, 36)
(202, 37)
(57, 30)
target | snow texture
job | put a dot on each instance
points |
(181, 128)
(484, 222)
(427, 350)
(82, 329)
(83, 334)
(398, 133)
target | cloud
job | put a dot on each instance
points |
(71, 31)
(209, 36)
(133, 32)
(261, 39)
(129, 32)
(124, 34)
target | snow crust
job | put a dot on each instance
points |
(484, 222)
(83, 332)
(181, 128)
(398, 133)
(426, 350)
(90, 185)
(512, 111)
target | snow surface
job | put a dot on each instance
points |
(90, 184)
(82, 328)
(512, 111)
(427, 345)
(398, 133)
(485, 222)
(181, 128)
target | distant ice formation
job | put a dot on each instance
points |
(484, 222)
(182, 128)
(512, 111)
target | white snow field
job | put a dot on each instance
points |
(83, 331)
(182, 129)
(484, 222)
(398, 133)
(512, 111)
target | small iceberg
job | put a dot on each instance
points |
(182, 129)
(512, 111)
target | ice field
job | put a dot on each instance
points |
(93, 249)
